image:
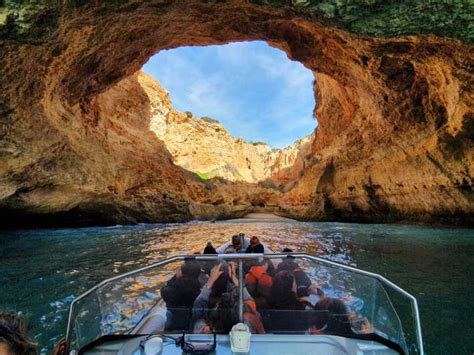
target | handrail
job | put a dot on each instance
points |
(241, 257)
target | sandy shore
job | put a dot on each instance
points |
(266, 216)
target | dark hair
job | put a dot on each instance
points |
(282, 295)
(13, 332)
(181, 293)
(191, 268)
(331, 317)
(224, 316)
(287, 265)
(287, 250)
(209, 249)
(219, 287)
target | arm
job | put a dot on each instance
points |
(201, 303)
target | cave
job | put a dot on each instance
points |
(394, 112)
(242, 112)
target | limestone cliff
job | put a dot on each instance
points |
(394, 85)
(204, 146)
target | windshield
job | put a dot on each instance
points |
(272, 293)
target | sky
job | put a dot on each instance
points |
(254, 90)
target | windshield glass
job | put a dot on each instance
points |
(274, 293)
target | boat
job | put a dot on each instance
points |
(126, 314)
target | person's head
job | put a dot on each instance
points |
(191, 268)
(254, 241)
(287, 264)
(331, 317)
(13, 336)
(209, 249)
(283, 291)
(287, 250)
(236, 241)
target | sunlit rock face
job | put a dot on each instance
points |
(204, 146)
(394, 140)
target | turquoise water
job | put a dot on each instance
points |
(41, 271)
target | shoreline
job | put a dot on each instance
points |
(266, 217)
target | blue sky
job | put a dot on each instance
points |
(254, 90)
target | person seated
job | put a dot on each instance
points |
(179, 295)
(331, 317)
(287, 311)
(220, 315)
(287, 264)
(259, 283)
(14, 336)
(209, 249)
(235, 246)
(255, 246)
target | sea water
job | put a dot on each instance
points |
(42, 271)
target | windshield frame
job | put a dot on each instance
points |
(240, 258)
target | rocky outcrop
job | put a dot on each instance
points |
(204, 146)
(395, 110)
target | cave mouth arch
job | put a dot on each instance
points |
(62, 71)
(240, 84)
(248, 109)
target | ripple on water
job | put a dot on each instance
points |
(41, 271)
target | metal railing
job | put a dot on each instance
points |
(242, 257)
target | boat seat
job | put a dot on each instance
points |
(285, 321)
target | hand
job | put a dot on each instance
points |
(60, 348)
(314, 290)
(366, 326)
(179, 273)
(216, 272)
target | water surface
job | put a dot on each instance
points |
(42, 271)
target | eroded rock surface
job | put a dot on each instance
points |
(204, 146)
(395, 139)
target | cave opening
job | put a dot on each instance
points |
(70, 95)
(241, 111)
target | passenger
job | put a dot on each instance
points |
(222, 315)
(286, 312)
(235, 246)
(288, 264)
(13, 336)
(283, 292)
(255, 246)
(259, 283)
(331, 317)
(179, 295)
(209, 249)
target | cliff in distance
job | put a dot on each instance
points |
(205, 147)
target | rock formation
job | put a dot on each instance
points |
(394, 85)
(204, 146)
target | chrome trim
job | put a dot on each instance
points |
(241, 257)
(241, 291)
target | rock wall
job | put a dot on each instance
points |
(204, 146)
(395, 139)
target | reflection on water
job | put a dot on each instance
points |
(42, 271)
